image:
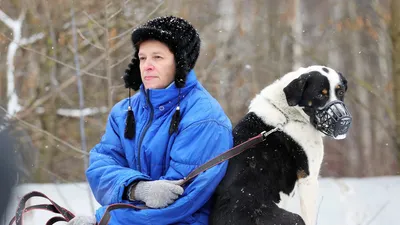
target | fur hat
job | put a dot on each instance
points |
(181, 38)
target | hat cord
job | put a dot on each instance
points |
(176, 117)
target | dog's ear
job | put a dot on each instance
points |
(294, 90)
(344, 81)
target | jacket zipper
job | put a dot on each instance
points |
(145, 128)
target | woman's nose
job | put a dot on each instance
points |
(148, 65)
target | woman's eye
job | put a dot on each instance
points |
(141, 58)
(157, 57)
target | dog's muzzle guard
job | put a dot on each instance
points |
(334, 119)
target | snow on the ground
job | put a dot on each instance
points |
(350, 201)
(344, 201)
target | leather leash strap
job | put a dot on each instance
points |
(227, 155)
(53, 207)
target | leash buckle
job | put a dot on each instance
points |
(265, 134)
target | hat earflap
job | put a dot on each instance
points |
(132, 76)
(182, 69)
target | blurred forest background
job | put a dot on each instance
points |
(59, 58)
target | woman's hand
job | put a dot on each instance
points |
(158, 193)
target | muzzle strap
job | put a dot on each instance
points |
(334, 119)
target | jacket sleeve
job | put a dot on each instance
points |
(192, 147)
(108, 173)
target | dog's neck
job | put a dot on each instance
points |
(279, 112)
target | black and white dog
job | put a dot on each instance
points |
(306, 105)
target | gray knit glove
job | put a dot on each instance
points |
(82, 220)
(158, 193)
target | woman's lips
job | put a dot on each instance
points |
(150, 77)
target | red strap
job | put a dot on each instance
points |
(55, 219)
(53, 207)
(225, 156)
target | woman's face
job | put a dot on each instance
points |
(157, 64)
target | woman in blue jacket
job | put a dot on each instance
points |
(155, 138)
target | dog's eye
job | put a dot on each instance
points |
(340, 93)
(320, 96)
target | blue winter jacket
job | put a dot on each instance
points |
(204, 132)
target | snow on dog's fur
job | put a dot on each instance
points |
(258, 179)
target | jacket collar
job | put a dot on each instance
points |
(165, 99)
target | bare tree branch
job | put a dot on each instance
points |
(107, 59)
(121, 60)
(93, 20)
(89, 42)
(83, 153)
(56, 60)
(129, 31)
(13, 105)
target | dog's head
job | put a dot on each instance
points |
(319, 93)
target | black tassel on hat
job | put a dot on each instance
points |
(130, 121)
